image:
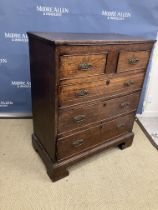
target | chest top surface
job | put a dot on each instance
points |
(86, 38)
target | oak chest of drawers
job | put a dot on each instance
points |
(85, 93)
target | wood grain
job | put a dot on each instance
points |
(86, 38)
(43, 77)
(68, 94)
(70, 65)
(75, 79)
(112, 50)
(93, 112)
(124, 60)
(94, 136)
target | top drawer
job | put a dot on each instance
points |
(82, 65)
(132, 60)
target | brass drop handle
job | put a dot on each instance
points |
(108, 82)
(133, 60)
(121, 125)
(128, 83)
(82, 92)
(78, 142)
(124, 104)
(79, 118)
(85, 66)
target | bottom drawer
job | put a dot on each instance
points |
(81, 141)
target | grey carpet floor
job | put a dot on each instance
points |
(111, 180)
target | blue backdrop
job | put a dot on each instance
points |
(88, 16)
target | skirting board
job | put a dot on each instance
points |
(148, 114)
(146, 133)
(15, 115)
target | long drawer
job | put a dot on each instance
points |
(84, 140)
(78, 116)
(81, 92)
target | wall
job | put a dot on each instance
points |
(150, 106)
(88, 16)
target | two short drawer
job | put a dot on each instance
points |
(84, 140)
(83, 65)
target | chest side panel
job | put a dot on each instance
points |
(43, 87)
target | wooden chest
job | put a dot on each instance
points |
(85, 93)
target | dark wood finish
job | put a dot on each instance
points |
(132, 60)
(112, 50)
(84, 95)
(78, 116)
(81, 92)
(58, 170)
(43, 84)
(84, 140)
(86, 38)
(82, 65)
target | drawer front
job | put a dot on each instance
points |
(79, 116)
(72, 94)
(129, 60)
(81, 141)
(82, 65)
